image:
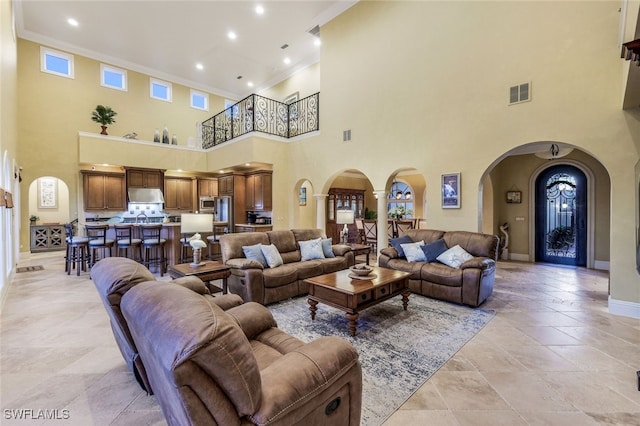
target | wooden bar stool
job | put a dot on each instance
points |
(153, 246)
(77, 251)
(126, 242)
(185, 248)
(98, 240)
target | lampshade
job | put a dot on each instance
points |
(191, 223)
(344, 216)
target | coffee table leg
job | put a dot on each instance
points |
(353, 322)
(405, 299)
(313, 308)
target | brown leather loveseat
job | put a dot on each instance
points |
(255, 282)
(471, 283)
(208, 366)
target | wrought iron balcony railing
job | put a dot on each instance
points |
(256, 113)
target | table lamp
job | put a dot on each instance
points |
(344, 217)
(196, 223)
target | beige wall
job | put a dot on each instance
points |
(305, 82)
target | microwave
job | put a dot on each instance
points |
(207, 205)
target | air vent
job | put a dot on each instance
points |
(346, 135)
(519, 93)
(315, 31)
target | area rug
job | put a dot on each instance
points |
(399, 350)
(29, 268)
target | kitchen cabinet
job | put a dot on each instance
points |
(104, 191)
(145, 178)
(344, 199)
(225, 184)
(178, 194)
(46, 238)
(258, 191)
(207, 187)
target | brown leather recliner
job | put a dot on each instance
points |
(208, 366)
(113, 277)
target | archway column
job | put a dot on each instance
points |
(383, 239)
(321, 211)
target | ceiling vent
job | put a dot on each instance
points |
(315, 31)
(520, 93)
(346, 135)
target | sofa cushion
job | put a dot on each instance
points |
(434, 249)
(413, 251)
(454, 257)
(308, 268)
(254, 252)
(311, 249)
(414, 268)
(396, 243)
(333, 264)
(272, 255)
(441, 274)
(326, 247)
(279, 276)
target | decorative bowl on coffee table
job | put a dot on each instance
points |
(361, 270)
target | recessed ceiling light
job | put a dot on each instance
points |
(231, 35)
(287, 61)
(317, 42)
(221, 171)
(72, 22)
(247, 164)
(259, 10)
(199, 66)
(250, 83)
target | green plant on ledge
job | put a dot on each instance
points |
(370, 214)
(33, 218)
(105, 116)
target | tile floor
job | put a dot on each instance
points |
(551, 356)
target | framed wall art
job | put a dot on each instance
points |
(451, 191)
(514, 197)
(47, 193)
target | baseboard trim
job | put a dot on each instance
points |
(519, 257)
(602, 265)
(624, 308)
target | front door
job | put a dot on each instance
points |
(561, 216)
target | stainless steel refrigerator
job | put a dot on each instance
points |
(224, 211)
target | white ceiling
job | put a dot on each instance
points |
(166, 39)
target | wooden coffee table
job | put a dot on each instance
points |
(211, 270)
(351, 295)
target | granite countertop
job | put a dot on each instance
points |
(254, 225)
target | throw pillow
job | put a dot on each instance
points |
(311, 249)
(434, 249)
(396, 243)
(326, 247)
(454, 257)
(272, 255)
(254, 253)
(413, 252)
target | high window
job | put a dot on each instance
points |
(160, 90)
(113, 78)
(199, 100)
(55, 62)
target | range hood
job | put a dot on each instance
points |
(145, 195)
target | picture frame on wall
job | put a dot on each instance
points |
(514, 197)
(302, 196)
(451, 191)
(47, 193)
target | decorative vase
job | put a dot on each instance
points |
(104, 130)
(165, 135)
(174, 140)
(156, 136)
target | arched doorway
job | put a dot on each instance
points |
(561, 216)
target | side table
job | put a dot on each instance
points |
(211, 270)
(359, 249)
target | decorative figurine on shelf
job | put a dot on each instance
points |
(156, 136)
(174, 140)
(197, 245)
(132, 135)
(33, 219)
(165, 135)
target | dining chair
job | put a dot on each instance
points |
(360, 228)
(402, 226)
(371, 233)
(391, 229)
(97, 234)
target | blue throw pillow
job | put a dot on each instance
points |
(395, 243)
(326, 247)
(311, 249)
(255, 253)
(434, 249)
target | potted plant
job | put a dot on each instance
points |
(33, 219)
(105, 116)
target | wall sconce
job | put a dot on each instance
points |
(407, 196)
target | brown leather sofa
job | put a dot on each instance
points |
(256, 283)
(113, 277)
(208, 366)
(471, 284)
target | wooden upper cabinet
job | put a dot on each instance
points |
(225, 185)
(145, 178)
(258, 191)
(207, 187)
(104, 191)
(178, 193)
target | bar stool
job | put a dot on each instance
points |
(152, 241)
(77, 251)
(184, 249)
(98, 241)
(214, 241)
(126, 242)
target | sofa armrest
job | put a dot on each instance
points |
(478, 262)
(192, 283)
(253, 318)
(300, 375)
(242, 263)
(390, 252)
(340, 249)
(228, 301)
